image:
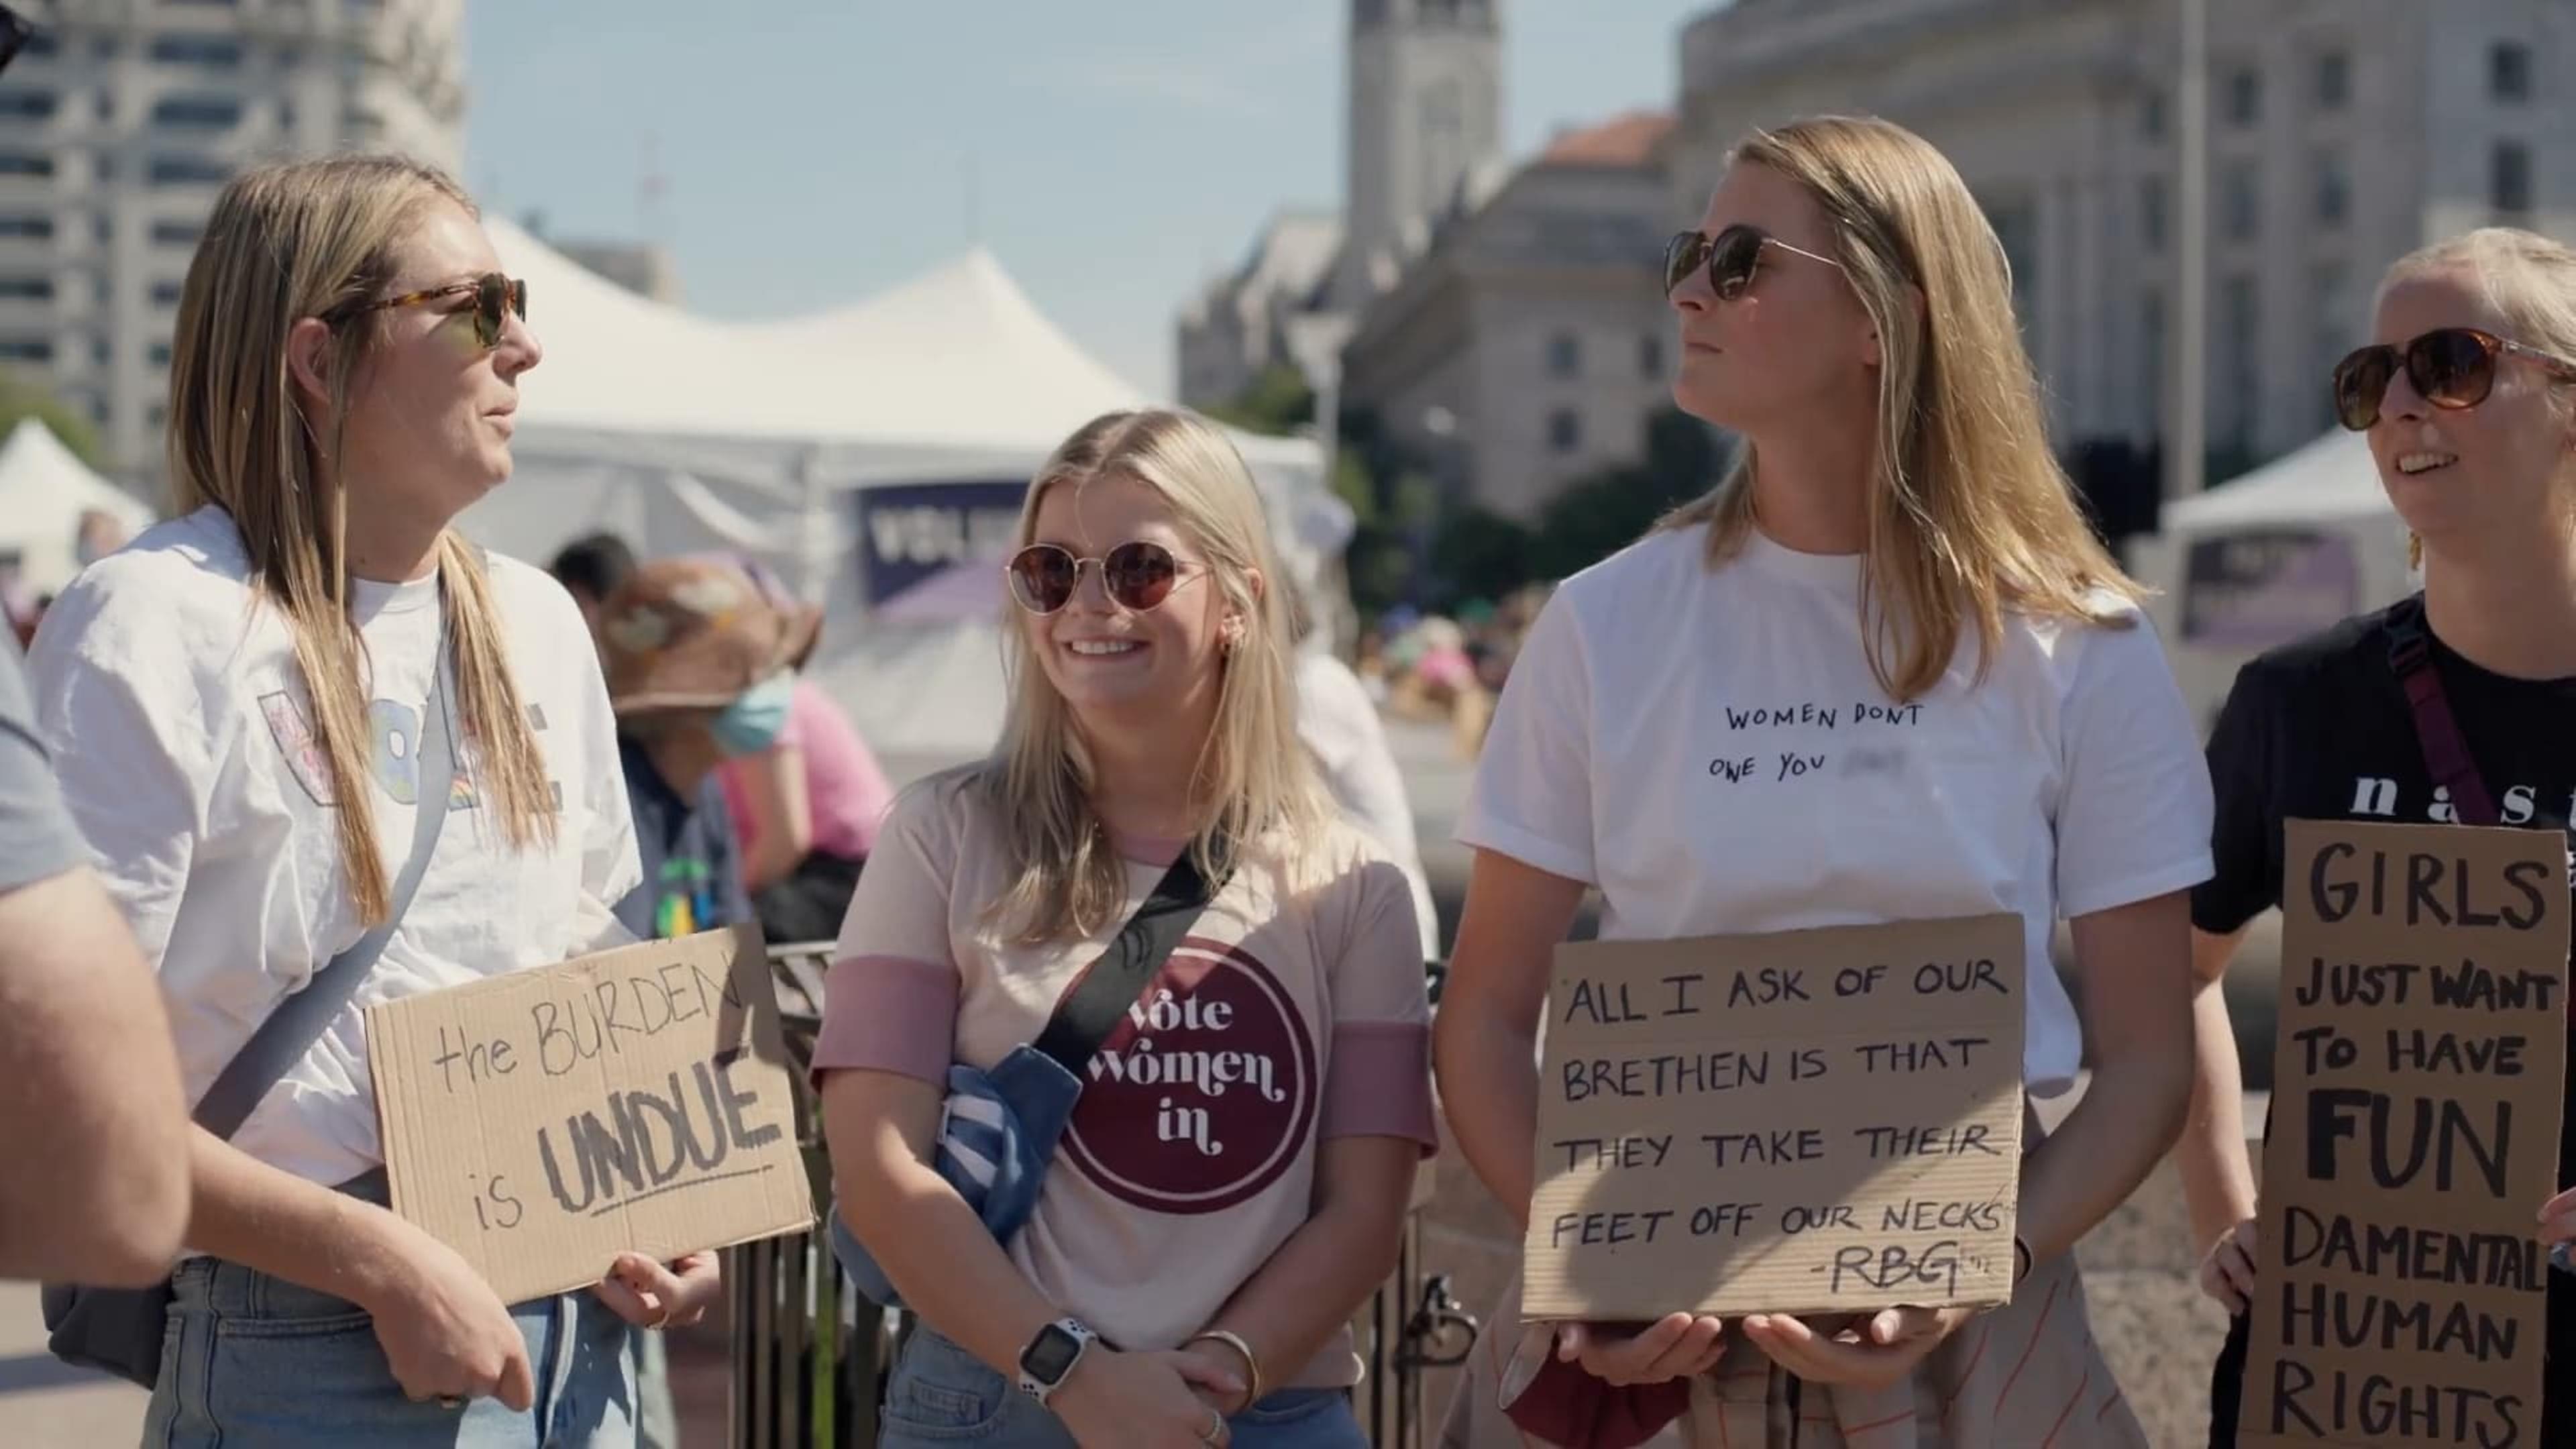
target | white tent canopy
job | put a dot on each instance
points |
(44, 490)
(873, 454)
(2278, 553)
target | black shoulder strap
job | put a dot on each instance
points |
(1090, 1011)
(291, 1029)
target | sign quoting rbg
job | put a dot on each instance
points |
(2401, 1292)
(1812, 1121)
(543, 1122)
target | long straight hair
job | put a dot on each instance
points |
(1250, 779)
(1969, 513)
(316, 239)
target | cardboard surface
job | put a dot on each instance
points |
(638, 1099)
(1817, 1121)
(2418, 1084)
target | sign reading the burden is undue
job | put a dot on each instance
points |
(638, 1099)
(2417, 1084)
(1804, 1122)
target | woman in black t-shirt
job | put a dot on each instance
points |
(2468, 395)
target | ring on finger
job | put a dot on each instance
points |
(1215, 1431)
(450, 1401)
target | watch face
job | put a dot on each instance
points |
(1050, 1356)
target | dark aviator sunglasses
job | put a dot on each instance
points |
(1733, 258)
(2450, 367)
(1137, 575)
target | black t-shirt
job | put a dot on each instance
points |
(2321, 730)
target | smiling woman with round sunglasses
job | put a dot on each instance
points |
(2469, 403)
(1231, 1179)
(244, 702)
(1894, 583)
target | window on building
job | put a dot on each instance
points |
(26, 349)
(2244, 96)
(176, 233)
(2334, 80)
(103, 226)
(2509, 71)
(215, 52)
(1564, 355)
(2016, 224)
(32, 228)
(41, 43)
(2241, 200)
(2151, 357)
(25, 163)
(2509, 179)
(1650, 354)
(2241, 321)
(2334, 186)
(102, 351)
(2336, 315)
(188, 171)
(28, 105)
(1564, 430)
(2151, 116)
(165, 293)
(159, 352)
(27, 289)
(2151, 212)
(197, 113)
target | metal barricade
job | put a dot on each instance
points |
(810, 1352)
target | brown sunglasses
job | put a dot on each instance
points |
(2449, 367)
(1138, 576)
(1733, 257)
(495, 297)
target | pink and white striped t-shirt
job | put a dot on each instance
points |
(1293, 1012)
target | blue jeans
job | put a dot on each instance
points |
(941, 1394)
(254, 1359)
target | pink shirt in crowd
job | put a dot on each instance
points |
(1293, 1011)
(845, 789)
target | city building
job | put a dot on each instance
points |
(1423, 114)
(2341, 134)
(122, 118)
(1529, 343)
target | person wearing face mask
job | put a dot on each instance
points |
(2467, 393)
(806, 794)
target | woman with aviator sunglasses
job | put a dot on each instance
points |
(244, 703)
(1231, 1180)
(2469, 403)
(1894, 582)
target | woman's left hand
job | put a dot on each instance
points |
(2558, 1218)
(650, 1295)
(1870, 1353)
(1219, 1364)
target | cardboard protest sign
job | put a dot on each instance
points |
(543, 1122)
(2418, 1080)
(1806, 1122)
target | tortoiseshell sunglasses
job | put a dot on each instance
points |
(495, 297)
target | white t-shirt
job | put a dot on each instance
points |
(180, 727)
(1339, 726)
(1709, 748)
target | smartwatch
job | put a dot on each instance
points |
(1051, 1355)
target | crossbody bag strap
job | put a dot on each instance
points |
(2437, 731)
(1090, 1011)
(291, 1029)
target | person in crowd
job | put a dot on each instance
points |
(1896, 534)
(235, 702)
(1342, 732)
(1197, 1248)
(590, 568)
(2467, 393)
(89, 1087)
(806, 805)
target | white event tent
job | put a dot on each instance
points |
(44, 490)
(873, 454)
(2278, 553)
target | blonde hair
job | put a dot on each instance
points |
(1969, 513)
(317, 239)
(1251, 778)
(2526, 278)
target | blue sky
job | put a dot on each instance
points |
(1111, 153)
